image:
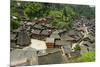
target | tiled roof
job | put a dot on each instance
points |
(35, 31)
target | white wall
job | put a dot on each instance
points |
(38, 44)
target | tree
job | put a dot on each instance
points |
(33, 10)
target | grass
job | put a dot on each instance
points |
(86, 57)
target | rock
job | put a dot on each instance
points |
(22, 57)
(53, 57)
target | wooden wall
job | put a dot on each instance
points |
(50, 45)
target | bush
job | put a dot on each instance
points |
(77, 48)
(14, 24)
(87, 57)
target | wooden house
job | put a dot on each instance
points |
(49, 26)
(55, 35)
(23, 38)
(38, 26)
(59, 43)
(35, 34)
(50, 42)
(44, 34)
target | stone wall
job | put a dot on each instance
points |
(51, 58)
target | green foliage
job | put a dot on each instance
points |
(87, 57)
(63, 17)
(85, 10)
(77, 48)
(33, 10)
(55, 13)
(58, 21)
(63, 14)
(15, 24)
(69, 11)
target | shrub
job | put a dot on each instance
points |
(87, 57)
(77, 48)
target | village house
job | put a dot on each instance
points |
(55, 35)
(45, 33)
(48, 26)
(59, 43)
(90, 46)
(29, 26)
(38, 26)
(50, 42)
(92, 38)
(74, 34)
(68, 38)
(30, 23)
(35, 34)
(23, 38)
(39, 45)
(14, 38)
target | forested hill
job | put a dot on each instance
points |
(63, 14)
